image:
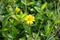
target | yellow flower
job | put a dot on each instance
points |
(29, 19)
(17, 9)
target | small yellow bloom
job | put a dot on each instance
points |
(29, 19)
(17, 9)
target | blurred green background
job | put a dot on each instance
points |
(45, 27)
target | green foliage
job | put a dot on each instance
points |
(14, 26)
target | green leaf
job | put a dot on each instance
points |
(1, 17)
(27, 29)
(14, 17)
(57, 21)
(24, 2)
(47, 30)
(10, 36)
(29, 38)
(31, 3)
(14, 31)
(43, 6)
(22, 38)
(36, 36)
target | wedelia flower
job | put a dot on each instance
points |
(29, 19)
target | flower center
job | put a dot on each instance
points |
(29, 19)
